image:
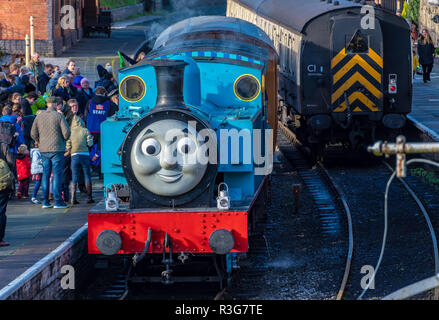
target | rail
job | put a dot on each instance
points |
(343, 204)
(400, 149)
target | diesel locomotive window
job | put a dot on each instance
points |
(132, 88)
(247, 87)
(358, 43)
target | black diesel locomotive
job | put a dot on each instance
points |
(345, 68)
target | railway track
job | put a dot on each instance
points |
(346, 213)
(113, 284)
(422, 201)
(329, 201)
(118, 289)
(418, 192)
(302, 245)
(409, 255)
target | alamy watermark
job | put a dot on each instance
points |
(192, 147)
(367, 281)
(68, 280)
(68, 18)
(368, 19)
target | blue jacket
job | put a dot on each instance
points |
(20, 139)
(63, 93)
(52, 82)
(95, 151)
(98, 111)
(17, 87)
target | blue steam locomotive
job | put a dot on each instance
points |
(192, 141)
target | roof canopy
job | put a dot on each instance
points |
(295, 14)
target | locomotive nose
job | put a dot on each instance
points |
(167, 160)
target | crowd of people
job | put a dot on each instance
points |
(50, 132)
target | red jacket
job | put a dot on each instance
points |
(23, 167)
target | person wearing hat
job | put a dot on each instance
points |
(109, 68)
(106, 79)
(77, 82)
(102, 73)
(114, 101)
(8, 117)
(85, 93)
(51, 131)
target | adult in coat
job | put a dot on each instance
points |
(426, 54)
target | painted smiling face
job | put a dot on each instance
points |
(164, 158)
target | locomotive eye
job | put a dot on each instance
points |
(151, 147)
(132, 88)
(186, 146)
(247, 87)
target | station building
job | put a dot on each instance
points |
(428, 15)
(50, 37)
(428, 10)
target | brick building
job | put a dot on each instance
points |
(427, 11)
(50, 37)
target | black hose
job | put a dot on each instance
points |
(348, 115)
(137, 258)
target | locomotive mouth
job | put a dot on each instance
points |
(169, 176)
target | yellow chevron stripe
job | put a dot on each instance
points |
(375, 57)
(358, 96)
(338, 58)
(350, 82)
(354, 61)
(372, 54)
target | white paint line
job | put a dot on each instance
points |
(17, 283)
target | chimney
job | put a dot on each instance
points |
(170, 78)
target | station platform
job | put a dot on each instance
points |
(33, 232)
(425, 110)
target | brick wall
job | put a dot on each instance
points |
(14, 18)
(46, 285)
(50, 39)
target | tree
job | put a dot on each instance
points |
(413, 10)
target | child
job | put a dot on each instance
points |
(36, 171)
(23, 172)
(415, 63)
